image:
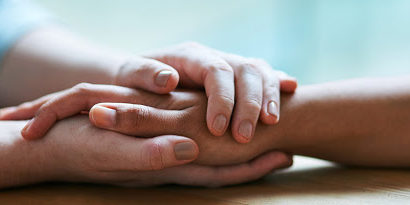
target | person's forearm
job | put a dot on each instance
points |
(21, 162)
(51, 59)
(357, 122)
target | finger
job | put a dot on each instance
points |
(287, 83)
(148, 74)
(219, 86)
(273, 82)
(81, 98)
(198, 175)
(270, 112)
(248, 101)
(143, 154)
(218, 79)
(25, 110)
(133, 119)
(198, 66)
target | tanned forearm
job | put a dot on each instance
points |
(356, 122)
(51, 59)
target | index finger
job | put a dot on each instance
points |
(198, 66)
(80, 98)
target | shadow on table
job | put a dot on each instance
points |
(328, 180)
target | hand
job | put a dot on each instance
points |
(180, 113)
(249, 84)
(256, 88)
(76, 151)
(63, 104)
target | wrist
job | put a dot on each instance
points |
(292, 131)
(21, 162)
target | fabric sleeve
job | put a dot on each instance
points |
(18, 17)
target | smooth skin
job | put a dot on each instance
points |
(52, 59)
(361, 122)
(76, 151)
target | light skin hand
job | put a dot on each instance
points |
(251, 84)
(49, 109)
(64, 54)
(348, 122)
(179, 113)
(129, 74)
(101, 156)
(66, 59)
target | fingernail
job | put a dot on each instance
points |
(219, 123)
(162, 78)
(245, 129)
(103, 116)
(273, 109)
(185, 151)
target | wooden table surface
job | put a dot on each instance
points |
(309, 181)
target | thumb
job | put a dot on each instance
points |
(142, 154)
(136, 120)
(148, 74)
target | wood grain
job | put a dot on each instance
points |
(309, 181)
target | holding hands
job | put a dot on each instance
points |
(249, 84)
(242, 89)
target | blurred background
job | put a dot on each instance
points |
(313, 40)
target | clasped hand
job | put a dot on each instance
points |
(111, 155)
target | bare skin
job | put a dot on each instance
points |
(358, 122)
(76, 151)
(52, 59)
(361, 122)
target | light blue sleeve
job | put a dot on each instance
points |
(17, 17)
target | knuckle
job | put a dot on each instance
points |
(146, 66)
(138, 67)
(154, 156)
(47, 110)
(273, 95)
(44, 108)
(225, 100)
(253, 104)
(123, 71)
(132, 117)
(249, 68)
(82, 88)
(219, 66)
(140, 115)
(125, 66)
(273, 84)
